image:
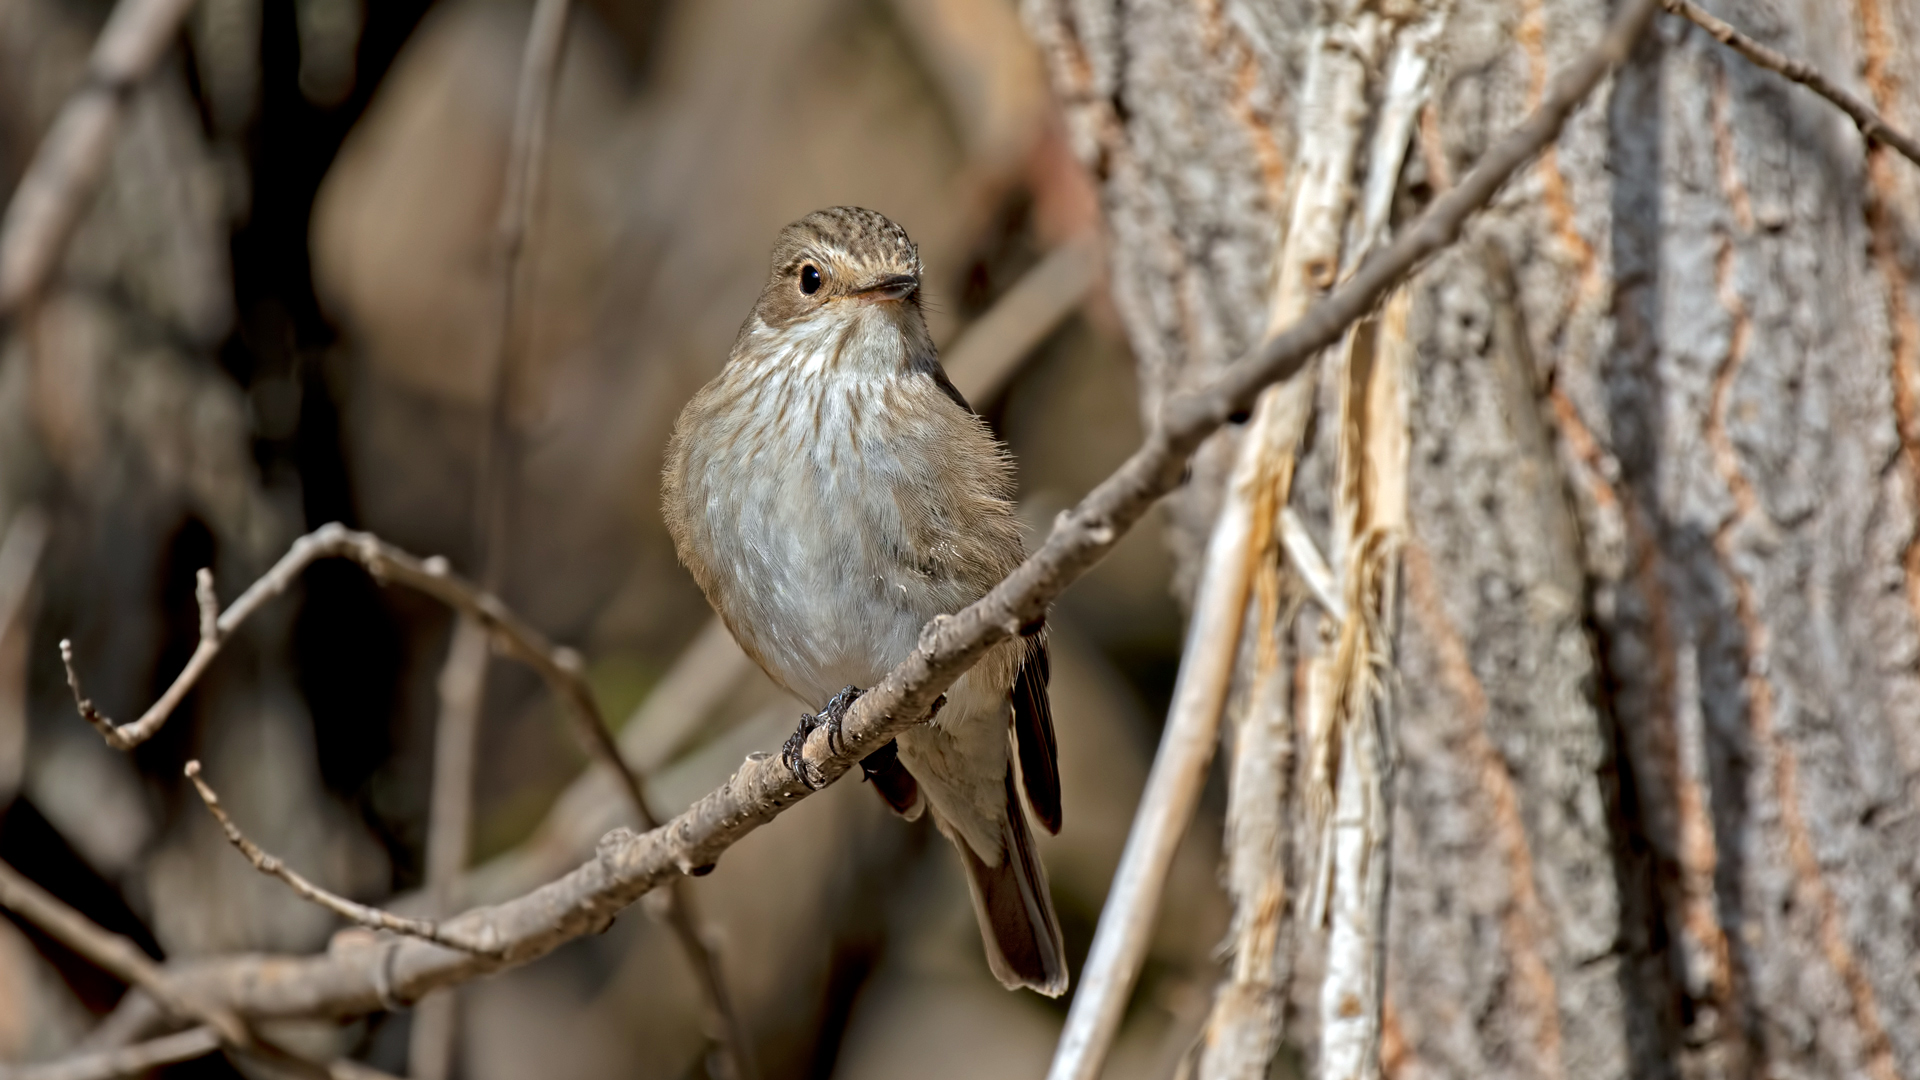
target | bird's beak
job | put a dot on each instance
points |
(890, 287)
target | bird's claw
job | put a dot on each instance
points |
(836, 713)
(793, 753)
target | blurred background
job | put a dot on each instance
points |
(274, 316)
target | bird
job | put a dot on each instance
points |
(831, 491)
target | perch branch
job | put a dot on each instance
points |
(72, 158)
(1872, 125)
(369, 917)
(627, 866)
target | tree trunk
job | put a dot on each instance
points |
(1658, 734)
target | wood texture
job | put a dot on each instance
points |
(1656, 800)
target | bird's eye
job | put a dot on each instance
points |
(809, 279)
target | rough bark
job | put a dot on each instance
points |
(1656, 795)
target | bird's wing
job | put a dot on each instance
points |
(1033, 734)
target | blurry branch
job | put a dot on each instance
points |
(20, 552)
(125, 961)
(1871, 124)
(134, 1060)
(463, 677)
(995, 345)
(662, 725)
(114, 953)
(627, 866)
(369, 917)
(68, 165)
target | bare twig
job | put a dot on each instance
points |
(348, 982)
(1871, 124)
(71, 160)
(371, 917)
(705, 671)
(133, 1060)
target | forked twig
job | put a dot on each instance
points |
(1871, 124)
(370, 917)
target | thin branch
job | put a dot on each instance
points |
(71, 159)
(627, 866)
(1871, 124)
(115, 953)
(133, 1060)
(370, 917)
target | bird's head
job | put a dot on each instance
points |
(843, 261)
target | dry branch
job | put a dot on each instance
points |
(369, 917)
(1872, 125)
(71, 160)
(627, 866)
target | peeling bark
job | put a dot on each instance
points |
(1660, 728)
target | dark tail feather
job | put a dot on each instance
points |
(896, 785)
(1015, 909)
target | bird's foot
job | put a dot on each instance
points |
(793, 753)
(836, 713)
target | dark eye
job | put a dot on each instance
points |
(809, 279)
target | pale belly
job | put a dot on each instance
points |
(817, 572)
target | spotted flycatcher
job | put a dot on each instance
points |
(832, 492)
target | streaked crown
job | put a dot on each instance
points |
(840, 253)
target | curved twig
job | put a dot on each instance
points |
(1872, 125)
(370, 917)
